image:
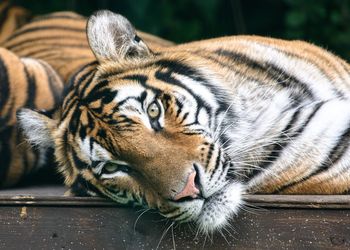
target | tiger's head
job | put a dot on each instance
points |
(139, 127)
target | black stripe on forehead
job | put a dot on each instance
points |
(142, 79)
(219, 93)
(169, 79)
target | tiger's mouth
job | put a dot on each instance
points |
(212, 212)
(219, 208)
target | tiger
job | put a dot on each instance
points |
(189, 129)
(35, 62)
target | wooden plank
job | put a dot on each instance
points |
(53, 196)
(32, 190)
(125, 228)
(41, 218)
(299, 201)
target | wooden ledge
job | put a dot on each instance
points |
(42, 218)
(53, 196)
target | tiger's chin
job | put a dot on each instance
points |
(219, 208)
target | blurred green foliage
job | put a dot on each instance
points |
(323, 22)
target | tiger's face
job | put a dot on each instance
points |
(133, 130)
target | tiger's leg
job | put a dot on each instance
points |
(24, 82)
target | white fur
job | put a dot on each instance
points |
(321, 86)
(104, 31)
(220, 208)
(35, 128)
(95, 153)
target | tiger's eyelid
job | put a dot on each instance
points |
(119, 162)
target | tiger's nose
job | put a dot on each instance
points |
(190, 189)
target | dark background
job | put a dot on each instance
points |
(323, 22)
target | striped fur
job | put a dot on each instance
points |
(35, 60)
(11, 18)
(246, 114)
(24, 82)
(60, 40)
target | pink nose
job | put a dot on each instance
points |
(190, 190)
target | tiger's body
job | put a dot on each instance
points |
(188, 129)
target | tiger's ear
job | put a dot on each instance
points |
(37, 127)
(113, 38)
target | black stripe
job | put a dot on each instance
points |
(88, 77)
(167, 78)
(72, 87)
(143, 97)
(179, 106)
(55, 83)
(76, 79)
(310, 117)
(333, 157)
(95, 93)
(220, 94)
(217, 164)
(141, 79)
(45, 47)
(279, 75)
(53, 27)
(78, 163)
(5, 152)
(80, 187)
(310, 61)
(4, 92)
(184, 117)
(31, 89)
(57, 40)
(209, 154)
(122, 102)
(49, 49)
(74, 120)
(277, 147)
(283, 137)
(60, 16)
(3, 16)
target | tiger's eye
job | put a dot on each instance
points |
(110, 167)
(153, 110)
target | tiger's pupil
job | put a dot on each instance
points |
(153, 110)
